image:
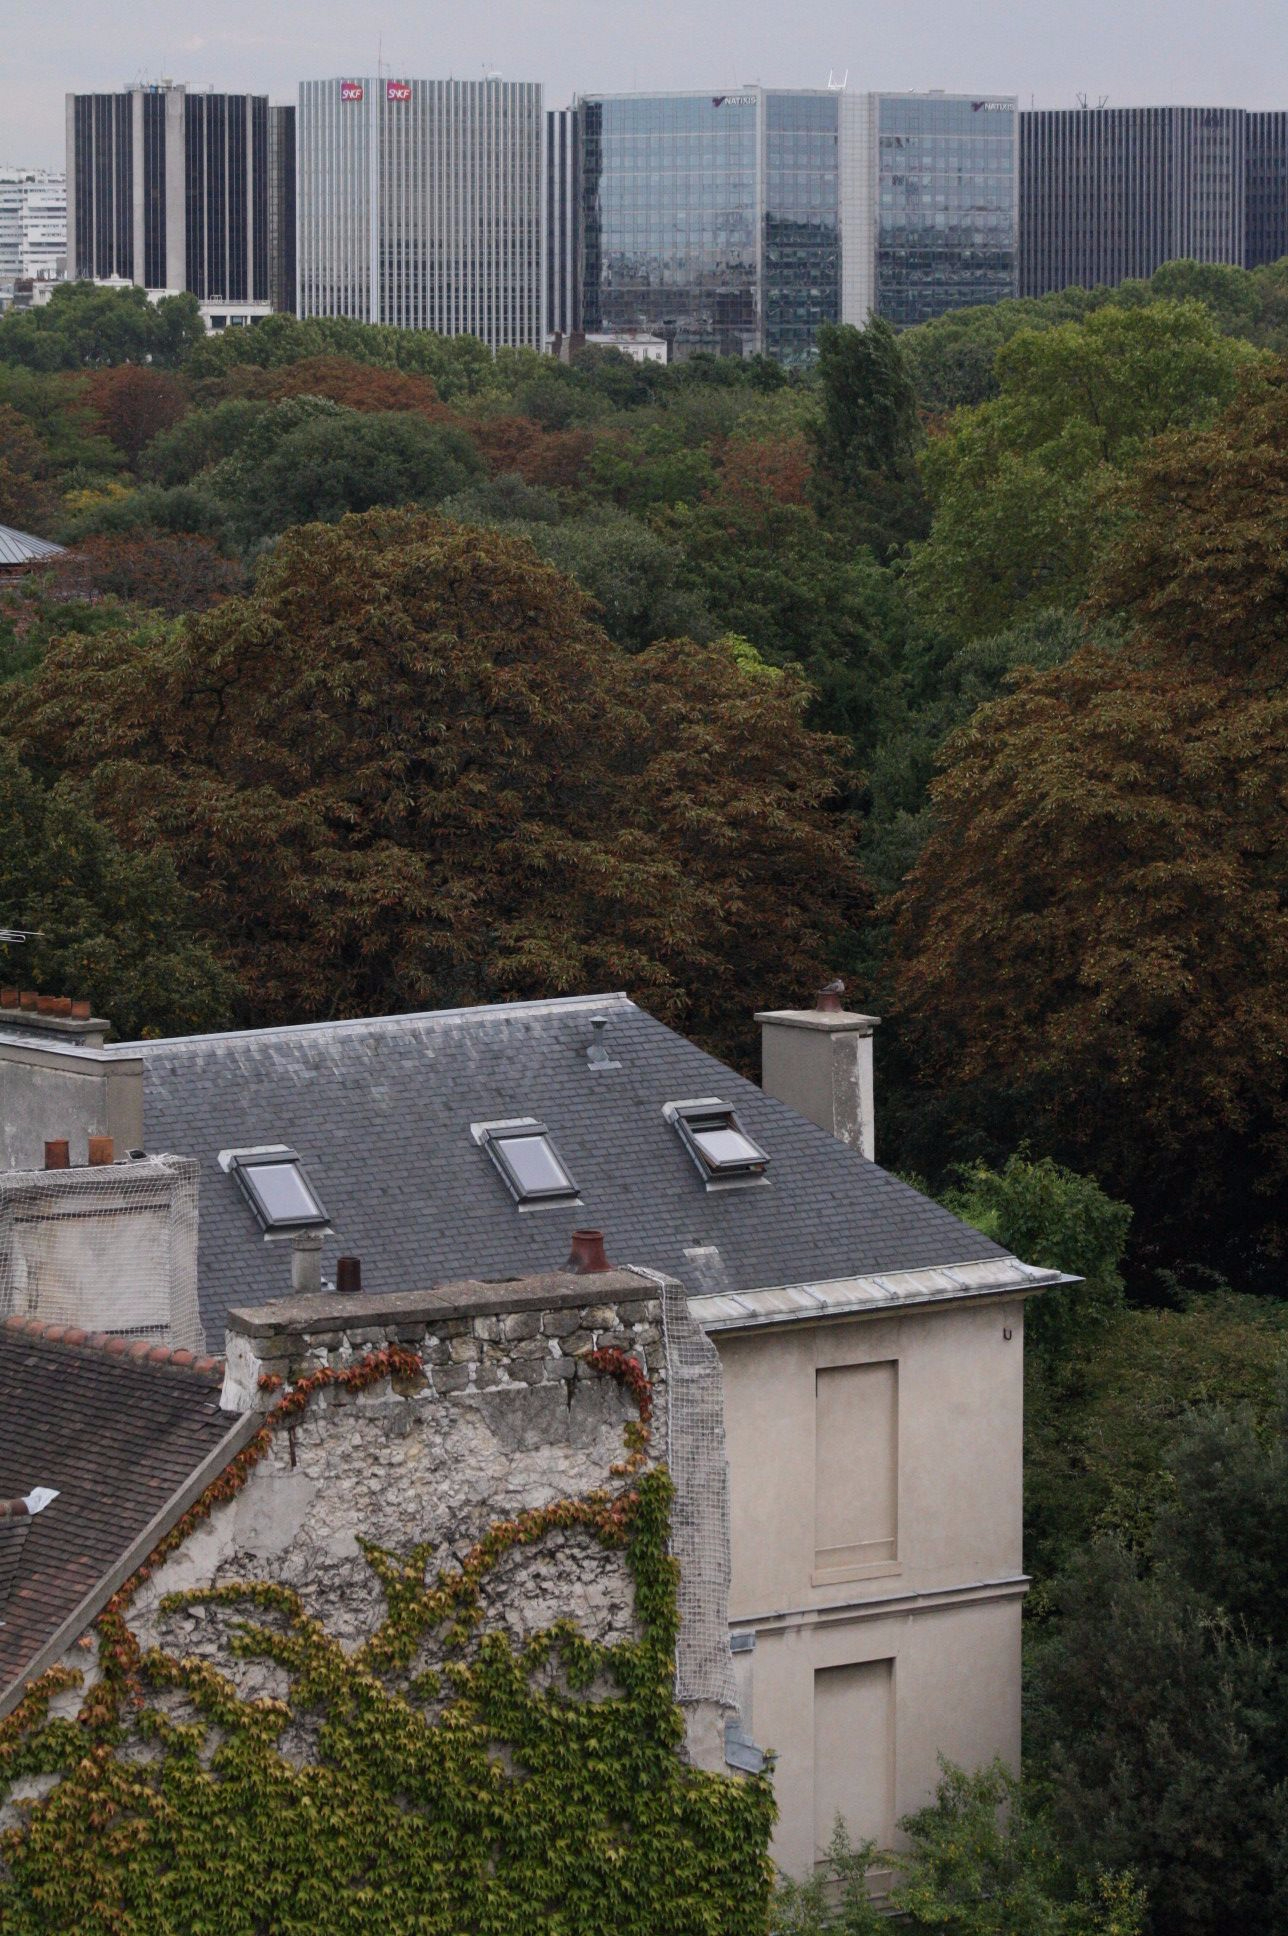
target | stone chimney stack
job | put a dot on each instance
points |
(819, 1062)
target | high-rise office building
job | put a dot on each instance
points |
(741, 222)
(420, 204)
(1107, 194)
(169, 189)
(281, 208)
(563, 204)
(1266, 215)
(943, 170)
(33, 223)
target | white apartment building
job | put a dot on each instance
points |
(419, 203)
(33, 223)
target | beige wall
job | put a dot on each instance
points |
(876, 1481)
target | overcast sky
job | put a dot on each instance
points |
(1208, 52)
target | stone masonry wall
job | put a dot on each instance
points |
(508, 1416)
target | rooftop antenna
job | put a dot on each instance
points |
(835, 86)
(11, 937)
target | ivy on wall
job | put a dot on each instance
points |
(457, 1782)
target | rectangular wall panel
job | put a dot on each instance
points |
(854, 1752)
(856, 1465)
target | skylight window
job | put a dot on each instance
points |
(274, 1182)
(717, 1141)
(533, 1171)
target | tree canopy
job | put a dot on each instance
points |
(465, 790)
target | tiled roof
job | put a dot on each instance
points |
(20, 548)
(380, 1113)
(116, 1430)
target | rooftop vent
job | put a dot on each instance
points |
(533, 1171)
(717, 1141)
(274, 1183)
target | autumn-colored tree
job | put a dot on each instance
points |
(411, 770)
(556, 459)
(359, 386)
(1095, 934)
(1201, 565)
(27, 498)
(131, 403)
(756, 470)
(174, 572)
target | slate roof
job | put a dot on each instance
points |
(380, 1112)
(20, 548)
(116, 1436)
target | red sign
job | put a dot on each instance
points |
(351, 90)
(397, 90)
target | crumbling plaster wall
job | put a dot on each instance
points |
(508, 1416)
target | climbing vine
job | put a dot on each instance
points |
(451, 1780)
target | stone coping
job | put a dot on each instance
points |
(468, 1298)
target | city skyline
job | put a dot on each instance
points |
(1040, 54)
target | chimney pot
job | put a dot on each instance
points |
(62, 1005)
(101, 1150)
(81, 1009)
(8, 998)
(58, 1154)
(28, 998)
(587, 1255)
(306, 1263)
(46, 1004)
(348, 1276)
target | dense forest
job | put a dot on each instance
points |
(383, 673)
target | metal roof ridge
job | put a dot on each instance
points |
(545, 1004)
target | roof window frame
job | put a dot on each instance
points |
(492, 1135)
(685, 1118)
(238, 1163)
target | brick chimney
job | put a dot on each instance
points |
(819, 1062)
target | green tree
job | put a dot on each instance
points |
(1158, 1717)
(83, 326)
(867, 433)
(1051, 1216)
(1022, 487)
(117, 926)
(466, 790)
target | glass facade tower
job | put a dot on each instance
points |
(946, 216)
(739, 223)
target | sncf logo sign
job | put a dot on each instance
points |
(397, 90)
(351, 90)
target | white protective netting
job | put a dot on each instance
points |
(112, 1248)
(698, 1459)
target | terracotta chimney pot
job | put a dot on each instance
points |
(587, 1255)
(28, 998)
(101, 1150)
(58, 1154)
(81, 1008)
(348, 1276)
(8, 998)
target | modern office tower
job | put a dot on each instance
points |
(563, 206)
(943, 169)
(740, 222)
(420, 204)
(1107, 194)
(33, 223)
(169, 189)
(281, 208)
(1266, 216)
